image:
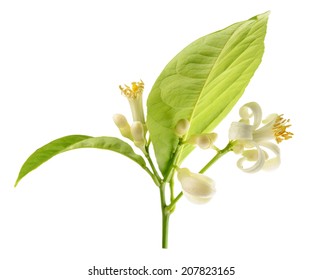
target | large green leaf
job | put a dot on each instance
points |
(202, 84)
(73, 142)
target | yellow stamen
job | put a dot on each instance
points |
(134, 91)
(279, 129)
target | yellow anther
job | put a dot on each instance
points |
(134, 91)
(279, 129)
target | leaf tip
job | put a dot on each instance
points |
(260, 16)
(264, 15)
(16, 183)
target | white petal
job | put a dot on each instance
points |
(196, 187)
(270, 118)
(240, 131)
(213, 136)
(265, 133)
(182, 173)
(203, 141)
(196, 199)
(273, 162)
(120, 120)
(137, 131)
(256, 113)
(138, 134)
(251, 155)
(137, 109)
(258, 165)
(123, 125)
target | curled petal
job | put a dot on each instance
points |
(256, 113)
(258, 165)
(266, 132)
(273, 162)
(240, 131)
(267, 154)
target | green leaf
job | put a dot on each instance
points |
(202, 83)
(73, 142)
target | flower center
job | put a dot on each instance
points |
(279, 129)
(134, 91)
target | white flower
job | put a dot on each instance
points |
(196, 187)
(134, 96)
(254, 141)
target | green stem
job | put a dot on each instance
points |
(171, 186)
(220, 153)
(164, 208)
(171, 166)
(165, 217)
(165, 230)
(152, 165)
(153, 176)
(171, 206)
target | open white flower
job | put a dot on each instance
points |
(134, 96)
(254, 142)
(196, 187)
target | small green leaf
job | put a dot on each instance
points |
(202, 84)
(73, 142)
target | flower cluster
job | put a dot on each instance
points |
(255, 142)
(248, 138)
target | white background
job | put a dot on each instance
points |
(60, 66)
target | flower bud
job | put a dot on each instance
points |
(196, 187)
(182, 127)
(204, 141)
(138, 134)
(123, 125)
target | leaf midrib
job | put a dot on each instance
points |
(206, 80)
